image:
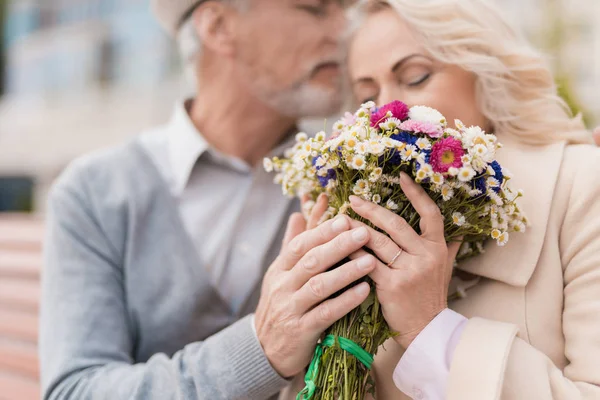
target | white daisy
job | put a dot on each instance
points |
(466, 174)
(368, 105)
(358, 162)
(475, 192)
(268, 165)
(427, 114)
(344, 209)
(408, 152)
(301, 137)
(376, 198)
(351, 143)
(375, 175)
(390, 124)
(423, 144)
(361, 187)
(447, 192)
(492, 182)
(376, 147)
(421, 175)
(390, 205)
(437, 179)
(453, 171)
(278, 180)
(459, 124)
(331, 185)
(307, 208)
(362, 148)
(502, 239)
(458, 219)
(453, 133)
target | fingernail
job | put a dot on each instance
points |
(365, 262)
(356, 201)
(360, 234)
(340, 224)
(404, 178)
(362, 289)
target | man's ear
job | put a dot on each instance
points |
(214, 22)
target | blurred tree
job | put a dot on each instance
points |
(3, 7)
(556, 41)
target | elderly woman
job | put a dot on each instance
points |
(529, 325)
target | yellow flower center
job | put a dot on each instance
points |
(448, 157)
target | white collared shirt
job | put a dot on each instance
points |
(230, 209)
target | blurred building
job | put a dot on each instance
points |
(80, 75)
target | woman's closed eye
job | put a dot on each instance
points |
(419, 81)
(413, 75)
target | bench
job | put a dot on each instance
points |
(20, 265)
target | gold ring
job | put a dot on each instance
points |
(395, 258)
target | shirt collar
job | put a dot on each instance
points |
(185, 146)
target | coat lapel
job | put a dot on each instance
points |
(535, 169)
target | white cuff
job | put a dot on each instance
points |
(422, 372)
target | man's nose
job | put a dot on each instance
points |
(338, 24)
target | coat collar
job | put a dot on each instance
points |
(535, 169)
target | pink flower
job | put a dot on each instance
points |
(348, 119)
(446, 154)
(398, 109)
(432, 130)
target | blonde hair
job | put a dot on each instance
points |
(516, 90)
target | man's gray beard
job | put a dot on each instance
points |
(301, 101)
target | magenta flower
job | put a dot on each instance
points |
(398, 109)
(427, 128)
(445, 154)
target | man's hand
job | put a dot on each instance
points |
(597, 136)
(294, 309)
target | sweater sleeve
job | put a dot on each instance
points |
(490, 362)
(86, 339)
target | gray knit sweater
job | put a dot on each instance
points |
(126, 313)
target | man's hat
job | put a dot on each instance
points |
(171, 13)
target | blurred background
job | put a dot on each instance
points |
(78, 75)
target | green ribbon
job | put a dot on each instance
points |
(313, 370)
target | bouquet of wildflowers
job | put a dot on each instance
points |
(364, 157)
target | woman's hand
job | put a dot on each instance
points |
(413, 289)
(597, 136)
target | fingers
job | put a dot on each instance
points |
(296, 225)
(384, 248)
(307, 240)
(395, 226)
(322, 257)
(328, 312)
(322, 286)
(380, 274)
(432, 222)
(318, 210)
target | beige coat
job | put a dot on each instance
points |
(534, 327)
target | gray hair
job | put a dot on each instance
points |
(190, 43)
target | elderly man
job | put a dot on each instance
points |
(156, 250)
